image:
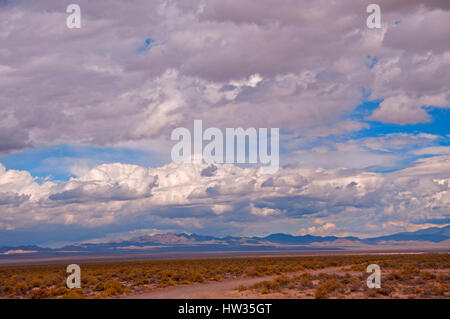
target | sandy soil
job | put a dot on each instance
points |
(226, 289)
(210, 290)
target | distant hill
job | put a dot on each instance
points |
(434, 234)
(8, 250)
(431, 238)
(306, 239)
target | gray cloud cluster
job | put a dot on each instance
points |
(233, 199)
(102, 84)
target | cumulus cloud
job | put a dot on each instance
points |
(264, 211)
(12, 199)
(318, 230)
(22, 184)
(405, 226)
(303, 59)
(114, 182)
(181, 197)
(406, 110)
(386, 151)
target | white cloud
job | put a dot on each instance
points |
(269, 65)
(400, 226)
(401, 109)
(220, 209)
(178, 196)
(264, 211)
(435, 150)
(321, 230)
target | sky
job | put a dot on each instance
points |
(86, 117)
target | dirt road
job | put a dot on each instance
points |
(210, 290)
(226, 289)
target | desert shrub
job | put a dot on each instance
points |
(197, 277)
(217, 278)
(254, 273)
(99, 286)
(283, 281)
(88, 280)
(442, 289)
(141, 281)
(323, 276)
(264, 286)
(358, 268)
(346, 279)
(428, 275)
(276, 284)
(73, 294)
(395, 276)
(112, 288)
(321, 293)
(385, 290)
(21, 288)
(326, 288)
(166, 281)
(59, 291)
(412, 291)
(36, 283)
(39, 293)
(305, 283)
(241, 288)
(409, 271)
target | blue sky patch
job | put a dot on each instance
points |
(56, 162)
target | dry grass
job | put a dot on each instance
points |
(406, 276)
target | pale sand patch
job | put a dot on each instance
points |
(209, 290)
(225, 289)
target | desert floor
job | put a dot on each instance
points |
(250, 288)
(419, 275)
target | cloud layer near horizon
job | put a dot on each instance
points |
(183, 197)
(138, 69)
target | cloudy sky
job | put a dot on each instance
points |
(86, 117)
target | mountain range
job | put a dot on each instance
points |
(426, 239)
